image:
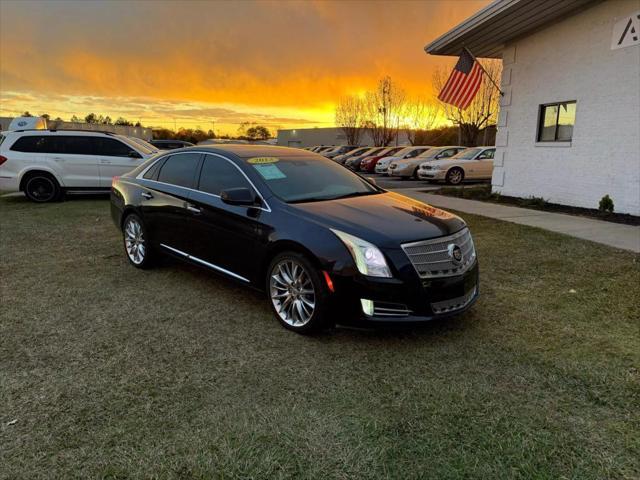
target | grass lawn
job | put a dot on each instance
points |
(113, 372)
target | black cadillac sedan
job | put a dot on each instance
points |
(324, 243)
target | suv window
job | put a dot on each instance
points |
(30, 144)
(218, 174)
(179, 169)
(110, 147)
(71, 145)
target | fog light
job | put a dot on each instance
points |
(367, 306)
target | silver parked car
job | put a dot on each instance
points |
(406, 153)
(474, 163)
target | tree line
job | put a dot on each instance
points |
(386, 110)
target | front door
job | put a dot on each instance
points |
(485, 164)
(115, 158)
(224, 236)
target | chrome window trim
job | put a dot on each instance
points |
(204, 262)
(140, 176)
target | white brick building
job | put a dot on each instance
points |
(569, 125)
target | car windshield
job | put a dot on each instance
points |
(467, 154)
(307, 178)
(432, 153)
(138, 143)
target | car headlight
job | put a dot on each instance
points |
(369, 259)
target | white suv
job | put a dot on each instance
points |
(44, 164)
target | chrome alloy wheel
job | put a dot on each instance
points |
(455, 176)
(292, 293)
(134, 241)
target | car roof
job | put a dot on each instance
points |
(249, 151)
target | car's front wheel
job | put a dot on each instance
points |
(136, 242)
(297, 293)
(455, 176)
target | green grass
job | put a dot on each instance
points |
(113, 372)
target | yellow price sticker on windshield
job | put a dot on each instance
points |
(262, 160)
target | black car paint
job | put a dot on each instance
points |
(241, 240)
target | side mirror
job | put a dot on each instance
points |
(134, 154)
(238, 196)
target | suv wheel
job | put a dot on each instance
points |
(42, 187)
(136, 242)
(455, 176)
(297, 295)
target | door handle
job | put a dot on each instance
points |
(147, 195)
(105, 161)
(194, 209)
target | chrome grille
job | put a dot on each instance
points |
(454, 303)
(431, 258)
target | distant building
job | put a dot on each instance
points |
(310, 137)
(139, 132)
(569, 125)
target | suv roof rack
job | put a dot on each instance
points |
(63, 130)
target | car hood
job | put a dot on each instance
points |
(386, 220)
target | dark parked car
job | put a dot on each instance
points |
(170, 144)
(323, 242)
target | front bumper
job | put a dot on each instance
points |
(431, 174)
(408, 299)
(401, 171)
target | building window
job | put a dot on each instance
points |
(555, 122)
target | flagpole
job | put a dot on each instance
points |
(485, 72)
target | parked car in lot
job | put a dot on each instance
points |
(408, 168)
(368, 164)
(353, 163)
(170, 144)
(470, 164)
(383, 163)
(45, 164)
(341, 159)
(323, 242)
(339, 150)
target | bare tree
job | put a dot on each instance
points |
(349, 116)
(383, 112)
(420, 116)
(483, 110)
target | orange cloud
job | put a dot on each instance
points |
(291, 59)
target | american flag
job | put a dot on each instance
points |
(463, 83)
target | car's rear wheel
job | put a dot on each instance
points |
(297, 294)
(42, 187)
(455, 176)
(136, 242)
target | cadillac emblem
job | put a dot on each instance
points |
(455, 253)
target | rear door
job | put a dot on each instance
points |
(115, 158)
(164, 197)
(224, 236)
(73, 159)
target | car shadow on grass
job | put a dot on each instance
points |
(343, 331)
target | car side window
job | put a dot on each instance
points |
(72, 145)
(152, 172)
(30, 144)
(448, 153)
(219, 174)
(110, 147)
(180, 169)
(486, 155)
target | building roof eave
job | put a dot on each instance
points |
(486, 32)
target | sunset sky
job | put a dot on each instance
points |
(191, 63)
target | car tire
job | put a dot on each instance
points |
(137, 245)
(41, 187)
(415, 174)
(297, 294)
(455, 176)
